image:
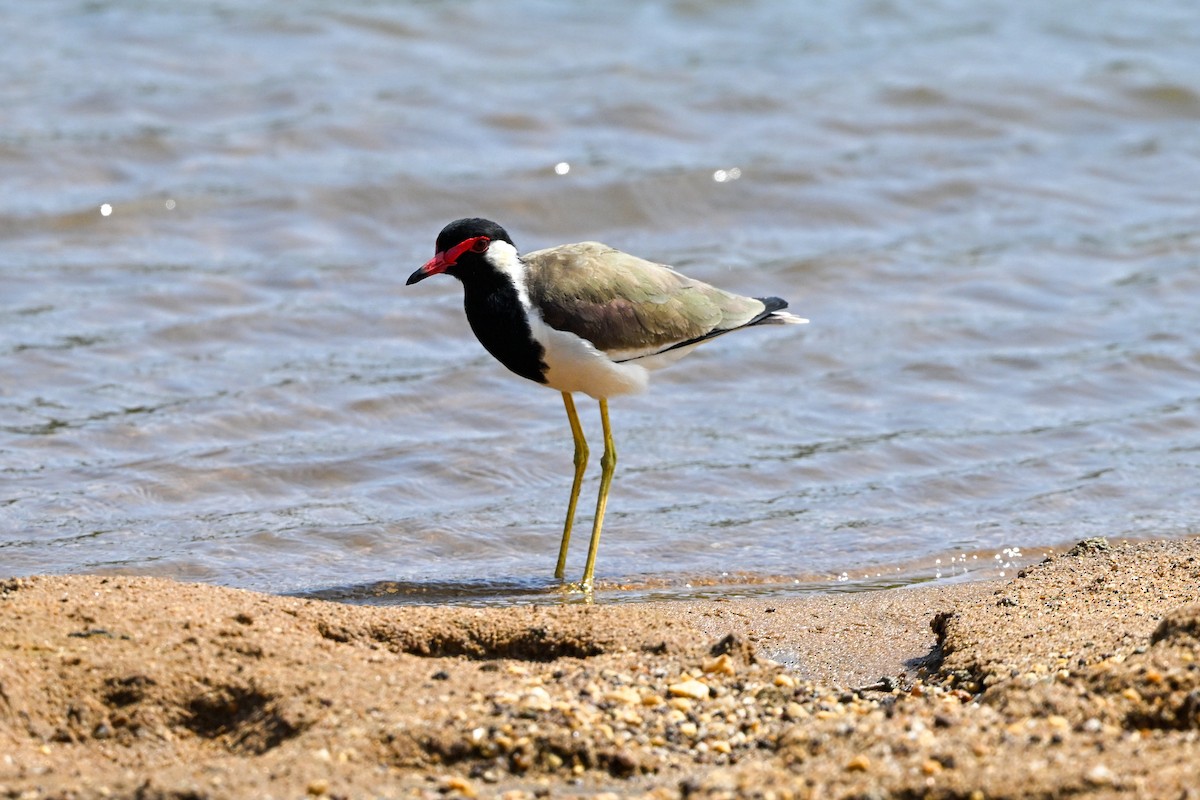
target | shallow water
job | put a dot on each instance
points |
(991, 214)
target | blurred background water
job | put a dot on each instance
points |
(210, 368)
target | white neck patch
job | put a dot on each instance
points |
(503, 257)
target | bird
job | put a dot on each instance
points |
(587, 318)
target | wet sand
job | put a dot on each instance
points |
(1079, 677)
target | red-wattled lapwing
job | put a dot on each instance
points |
(585, 318)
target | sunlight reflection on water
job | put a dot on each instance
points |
(991, 220)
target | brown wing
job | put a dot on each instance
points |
(625, 304)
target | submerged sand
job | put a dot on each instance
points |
(1081, 677)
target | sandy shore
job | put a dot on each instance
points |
(1081, 677)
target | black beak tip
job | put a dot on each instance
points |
(416, 277)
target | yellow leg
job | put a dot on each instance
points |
(581, 458)
(608, 463)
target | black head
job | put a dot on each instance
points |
(460, 244)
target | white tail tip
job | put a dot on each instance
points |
(787, 319)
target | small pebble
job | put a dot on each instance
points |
(721, 665)
(1099, 775)
(536, 699)
(691, 688)
(456, 783)
(794, 711)
(860, 763)
(624, 695)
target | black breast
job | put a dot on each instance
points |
(498, 320)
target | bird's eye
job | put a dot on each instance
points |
(481, 244)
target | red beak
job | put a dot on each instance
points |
(431, 267)
(446, 259)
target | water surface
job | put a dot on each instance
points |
(990, 213)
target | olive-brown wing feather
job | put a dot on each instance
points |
(622, 303)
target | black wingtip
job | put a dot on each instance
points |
(772, 303)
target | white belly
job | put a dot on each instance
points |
(575, 365)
